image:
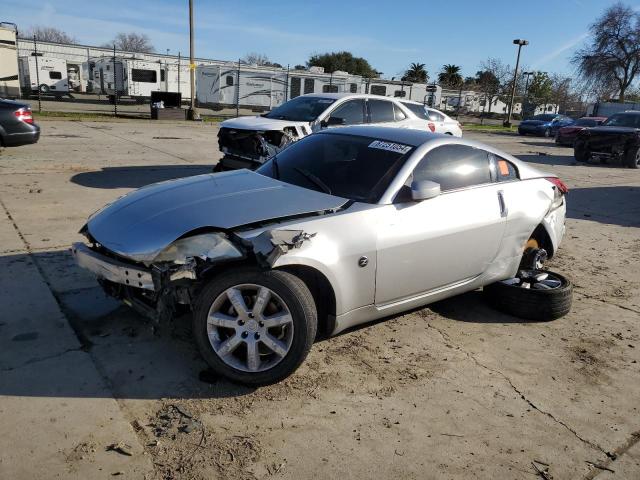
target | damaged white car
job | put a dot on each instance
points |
(248, 142)
(341, 228)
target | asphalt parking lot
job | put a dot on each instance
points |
(88, 389)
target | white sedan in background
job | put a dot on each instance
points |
(437, 121)
(248, 142)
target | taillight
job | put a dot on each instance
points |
(558, 183)
(24, 115)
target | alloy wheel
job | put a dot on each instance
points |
(534, 279)
(250, 327)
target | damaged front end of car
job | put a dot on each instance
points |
(242, 148)
(168, 284)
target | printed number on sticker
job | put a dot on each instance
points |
(391, 147)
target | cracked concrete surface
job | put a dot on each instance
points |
(454, 390)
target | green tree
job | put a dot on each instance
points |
(540, 90)
(416, 73)
(344, 61)
(450, 76)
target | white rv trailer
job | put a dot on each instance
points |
(46, 74)
(418, 92)
(134, 78)
(176, 79)
(9, 80)
(263, 88)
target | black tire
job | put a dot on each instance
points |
(581, 152)
(547, 133)
(530, 304)
(44, 88)
(632, 157)
(299, 300)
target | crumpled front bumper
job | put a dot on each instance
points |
(111, 269)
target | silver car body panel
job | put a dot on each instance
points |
(416, 252)
(219, 201)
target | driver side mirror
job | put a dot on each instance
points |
(424, 190)
(333, 122)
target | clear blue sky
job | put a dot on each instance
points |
(390, 34)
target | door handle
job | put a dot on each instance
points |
(504, 211)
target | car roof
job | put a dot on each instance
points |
(406, 136)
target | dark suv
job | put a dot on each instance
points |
(16, 124)
(617, 140)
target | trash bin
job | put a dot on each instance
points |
(167, 106)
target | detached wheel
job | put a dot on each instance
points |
(632, 157)
(533, 295)
(581, 152)
(255, 327)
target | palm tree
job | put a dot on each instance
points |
(416, 73)
(450, 76)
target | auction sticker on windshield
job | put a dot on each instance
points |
(391, 147)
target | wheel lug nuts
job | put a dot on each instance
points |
(250, 315)
(256, 336)
(261, 324)
(240, 322)
(244, 335)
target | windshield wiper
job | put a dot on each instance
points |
(313, 179)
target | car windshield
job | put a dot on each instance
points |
(353, 167)
(623, 120)
(300, 109)
(586, 122)
(546, 117)
(419, 110)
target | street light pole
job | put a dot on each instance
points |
(526, 90)
(520, 43)
(193, 113)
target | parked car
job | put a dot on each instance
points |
(438, 122)
(16, 124)
(567, 135)
(617, 139)
(544, 125)
(248, 142)
(342, 227)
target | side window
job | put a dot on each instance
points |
(330, 88)
(353, 88)
(309, 85)
(55, 75)
(380, 111)
(400, 115)
(229, 80)
(295, 87)
(378, 90)
(454, 166)
(352, 112)
(399, 93)
(505, 170)
(162, 75)
(435, 116)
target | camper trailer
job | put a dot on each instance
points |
(176, 78)
(45, 74)
(9, 83)
(418, 92)
(261, 88)
(133, 78)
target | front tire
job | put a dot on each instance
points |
(255, 327)
(581, 152)
(632, 157)
(547, 133)
(533, 295)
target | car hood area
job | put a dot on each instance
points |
(144, 222)
(259, 123)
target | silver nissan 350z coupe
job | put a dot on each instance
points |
(341, 228)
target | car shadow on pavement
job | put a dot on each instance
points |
(137, 176)
(549, 143)
(619, 205)
(470, 307)
(137, 358)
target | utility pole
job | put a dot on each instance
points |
(35, 54)
(520, 43)
(193, 113)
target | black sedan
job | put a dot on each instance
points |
(616, 141)
(16, 124)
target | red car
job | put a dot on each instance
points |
(567, 135)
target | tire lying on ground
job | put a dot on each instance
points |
(544, 300)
